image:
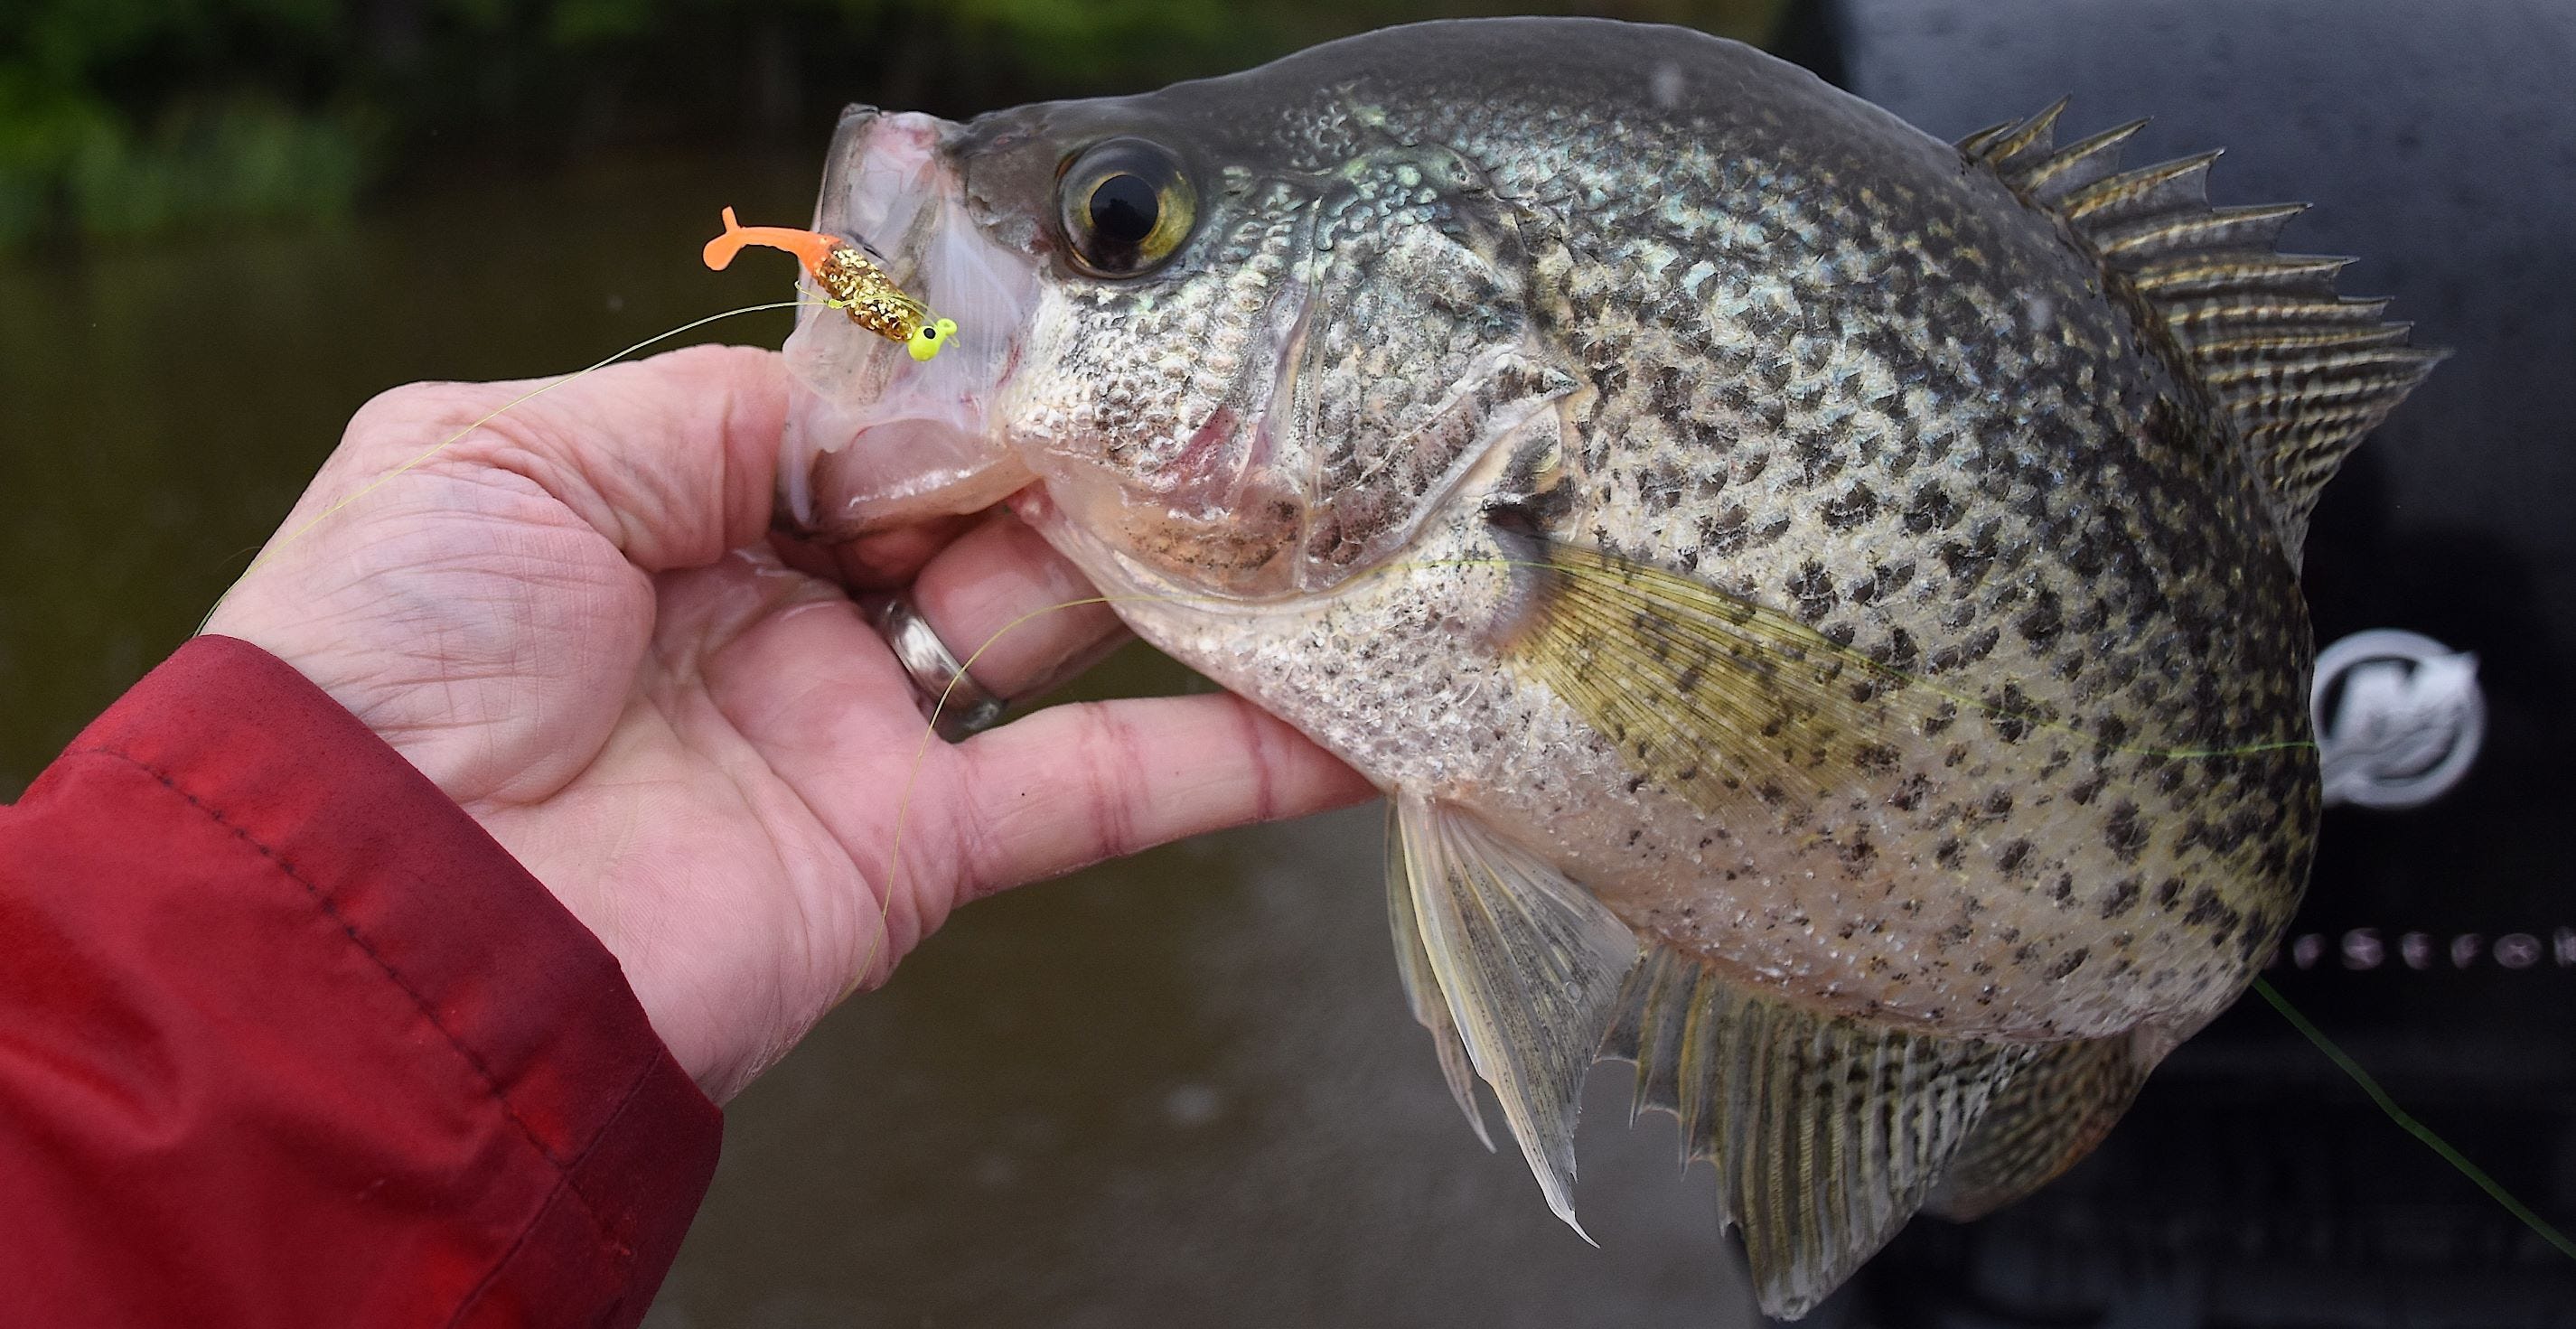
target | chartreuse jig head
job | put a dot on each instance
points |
(853, 282)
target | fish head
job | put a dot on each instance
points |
(1243, 332)
(877, 438)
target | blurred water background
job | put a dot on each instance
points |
(1177, 1090)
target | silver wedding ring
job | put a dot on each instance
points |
(968, 706)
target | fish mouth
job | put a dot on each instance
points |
(875, 438)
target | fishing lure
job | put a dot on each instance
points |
(853, 281)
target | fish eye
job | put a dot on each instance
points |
(1126, 206)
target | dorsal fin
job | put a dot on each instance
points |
(2050, 1114)
(2303, 372)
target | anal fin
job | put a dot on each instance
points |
(1528, 968)
(1827, 1132)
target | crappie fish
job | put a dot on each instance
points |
(1822, 602)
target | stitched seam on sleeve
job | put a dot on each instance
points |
(624, 1251)
(491, 1083)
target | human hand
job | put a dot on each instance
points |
(574, 622)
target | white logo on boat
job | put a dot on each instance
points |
(2406, 718)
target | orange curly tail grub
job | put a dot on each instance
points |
(810, 248)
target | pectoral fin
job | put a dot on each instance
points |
(1528, 966)
(1421, 986)
(1719, 699)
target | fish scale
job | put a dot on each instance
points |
(1823, 602)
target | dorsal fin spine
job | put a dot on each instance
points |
(2275, 341)
(2083, 164)
(2302, 372)
(2031, 137)
(2218, 228)
(2210, 273)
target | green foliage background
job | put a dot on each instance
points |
(123, 118)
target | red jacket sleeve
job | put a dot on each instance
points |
(286, 1039)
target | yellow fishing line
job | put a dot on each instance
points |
(2342, 1060)
(2405, 1121)
(1820, 644)
(274, 546)
(921, 754)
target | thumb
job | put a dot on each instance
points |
(674, 458)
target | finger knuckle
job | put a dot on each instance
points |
(417, 404)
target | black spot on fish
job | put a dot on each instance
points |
(1976, 647)
(1971, 559)
(2087, 789)
(2012, 856)
(1668, 391)
(1950, 853)
(2068, 963)
(2207, 910)
(2011, 711)
(1818, 460)
(1900, 652)
(1931, 509)
(1909, 795)
(2125, 832)
(1723, 532)
(1813, 591)
(1856, 506)
(2168, 891)
(2122, 897)
(2064, 892)
(2256, 936)
(2042, 622)
(1660, 486)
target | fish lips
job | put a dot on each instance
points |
(875, 438)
